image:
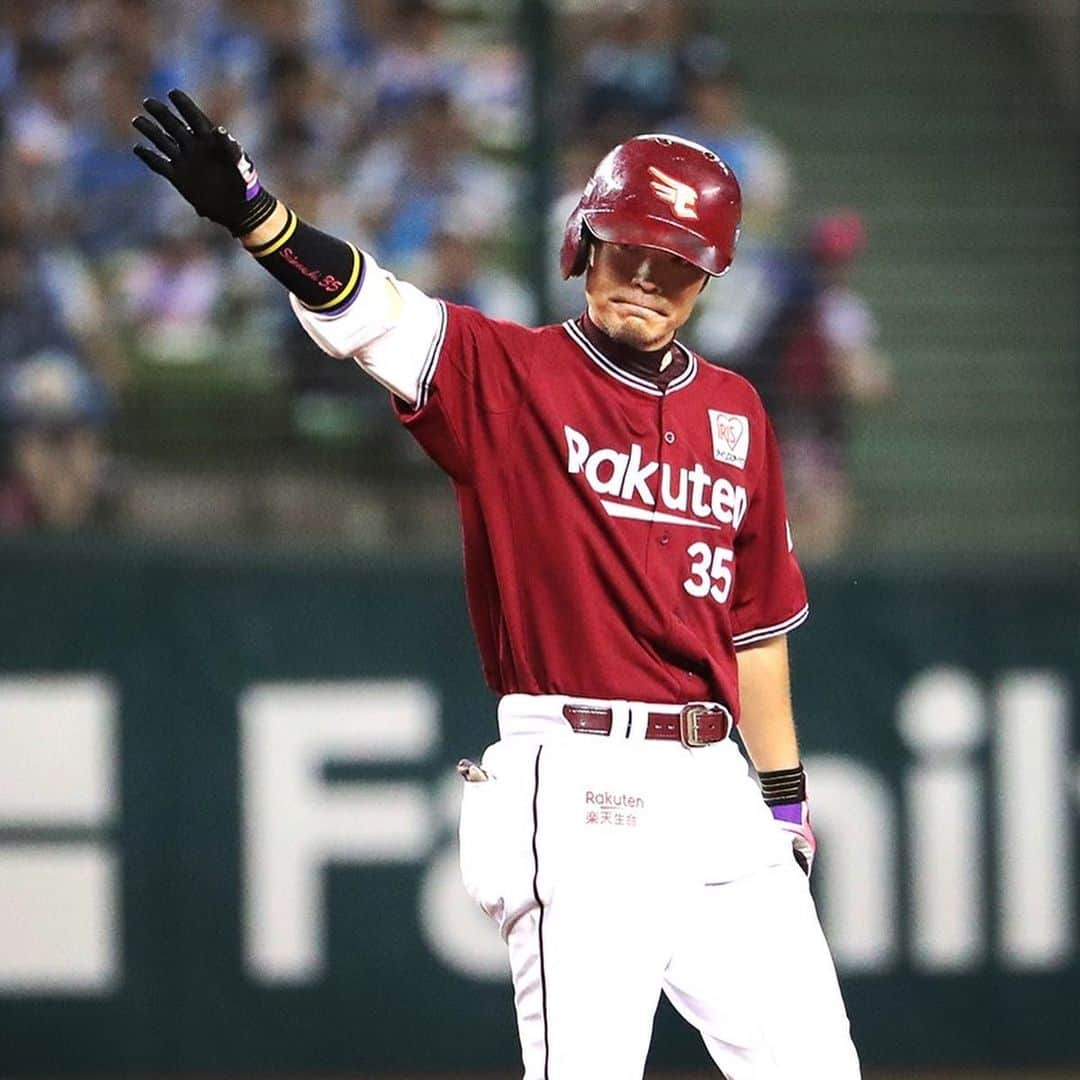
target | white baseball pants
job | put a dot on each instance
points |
(618, 868)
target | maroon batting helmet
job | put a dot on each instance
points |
(663, 192)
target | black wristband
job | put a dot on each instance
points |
(256, 211)
(783, 786)
(321, 271)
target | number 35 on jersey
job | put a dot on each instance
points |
(710, 571)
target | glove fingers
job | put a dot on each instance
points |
(197, 120)
(163, 142)
(162, 166)
(172, 124)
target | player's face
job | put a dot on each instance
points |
(640, 296)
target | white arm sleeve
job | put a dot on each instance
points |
(391, 329)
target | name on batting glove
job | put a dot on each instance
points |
(784, 791)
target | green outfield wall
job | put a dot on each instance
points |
(227, 808)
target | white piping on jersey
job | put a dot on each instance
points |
(427, 373)
(750, 637)
(621, 510)
(625, 377)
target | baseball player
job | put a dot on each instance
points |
(631, 582)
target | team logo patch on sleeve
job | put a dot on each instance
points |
(730, 437)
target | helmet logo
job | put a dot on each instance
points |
(681, 196)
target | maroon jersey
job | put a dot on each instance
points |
(621, 541)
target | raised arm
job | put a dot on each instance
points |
(345, 301)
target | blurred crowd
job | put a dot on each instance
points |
(402, 125)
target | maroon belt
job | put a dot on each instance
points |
(697, 724)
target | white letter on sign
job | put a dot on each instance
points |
(60, 895)
(295, 824)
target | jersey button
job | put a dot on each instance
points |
(664, 538)
(669, 437)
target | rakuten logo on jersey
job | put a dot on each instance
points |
(636, 486)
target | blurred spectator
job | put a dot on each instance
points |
(425, 172)
(354, 31)
(849, 325)
(17, 29)
(41, 133)
(492, 95)
(819, 361)
(137, 33)
(118, 206)
(49, 295)
(631, 77)
(40, 113)
(53, 414)
(86, 311)
(171, 291)
(242, 35)
(731, 317)
(414, 64)
(292, 130)
(29, 321)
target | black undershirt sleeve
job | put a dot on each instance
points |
(321, 271)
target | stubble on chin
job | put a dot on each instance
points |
(635, 333)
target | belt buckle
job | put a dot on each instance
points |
(690, 722)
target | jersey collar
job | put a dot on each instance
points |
(625, 377)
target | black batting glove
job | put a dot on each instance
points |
(204, 163)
